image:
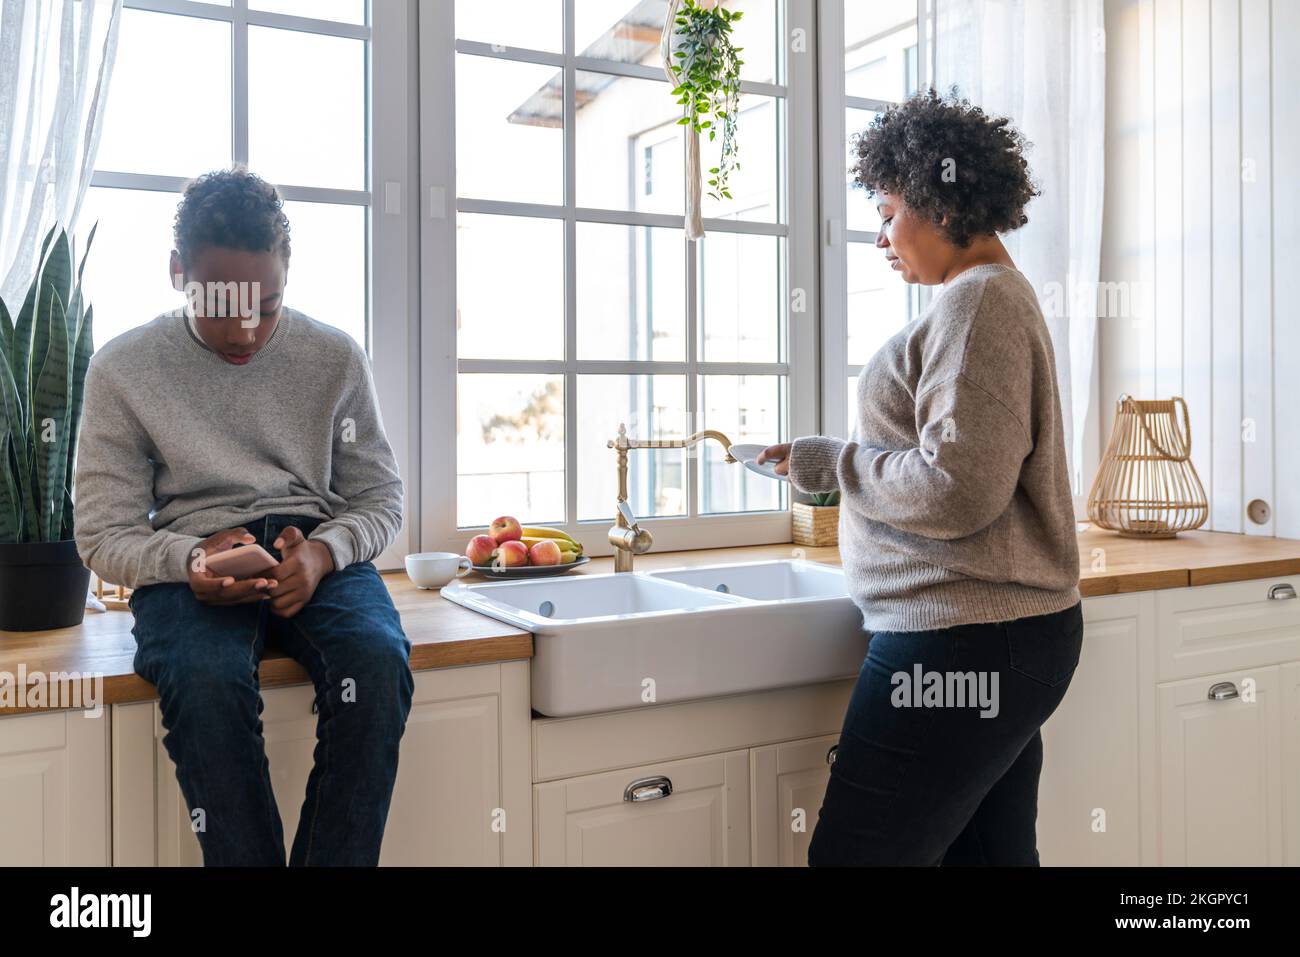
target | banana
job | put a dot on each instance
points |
(544, 531)
(565, 546)
(536, 534)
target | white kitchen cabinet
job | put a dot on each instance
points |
(54, 789)
(462, 794)
(788, 783)
(1221, 766)
(693, 812)
(1089, 794)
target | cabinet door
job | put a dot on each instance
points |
(447, 806)
(703, 821)
(54, 796)
(1089, 807)
(789, 782)
(1221, 770)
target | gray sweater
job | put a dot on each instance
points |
(177, 443)
(955, 500)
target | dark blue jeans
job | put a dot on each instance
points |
(945, 770)
(203, 660)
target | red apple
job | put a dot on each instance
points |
(510, 554)
(505, 529)
(480, 549)
(545, 553)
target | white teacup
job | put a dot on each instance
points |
(435, 569)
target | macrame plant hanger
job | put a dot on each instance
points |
(694, 222)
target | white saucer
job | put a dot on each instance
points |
(748, 453)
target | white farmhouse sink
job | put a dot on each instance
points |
(632, 639)
(764, 581)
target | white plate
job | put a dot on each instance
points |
(747, 454)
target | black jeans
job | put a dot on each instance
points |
(203, 659)
(939, 757)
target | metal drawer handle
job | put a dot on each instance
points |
(1222, 691)
(830, 755)
(1280, 592)
(648, 789)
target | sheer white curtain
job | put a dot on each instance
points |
(55, 60)
(1042, 63)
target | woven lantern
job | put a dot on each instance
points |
(1147, 486)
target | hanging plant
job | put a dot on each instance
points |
(705, 68)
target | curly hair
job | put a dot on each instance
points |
(232, 208)
(946, 157)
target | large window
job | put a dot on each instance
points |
(873, 55)
(578, 303)
(180, 105)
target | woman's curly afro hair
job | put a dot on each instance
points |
(234, 209)
(947, 158)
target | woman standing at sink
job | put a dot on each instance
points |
(957, 529)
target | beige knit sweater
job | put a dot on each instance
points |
(955, 500)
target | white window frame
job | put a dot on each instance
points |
(438, 522)
(392, 332)
(836, 237)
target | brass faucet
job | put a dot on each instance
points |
(627, 537)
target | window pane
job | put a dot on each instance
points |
(630, 301)
(755, 187)
(509, 448)
(343, 11)
(652, 407)
(878, 302)
(509, 131)
(509, 287)
(532, 24)
(740, 297)
(307, 113)
(745, 409)
(631, 152)
(327, 266)
(861, 208)
(150, 103)
(758, 35)
(126, 276)
(877, 37)
(629, 32)
(629, 146)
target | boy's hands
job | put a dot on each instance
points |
(223, 590)
(304, 564)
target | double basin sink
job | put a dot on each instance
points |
(631, 639)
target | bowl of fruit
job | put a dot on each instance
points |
(511, 550)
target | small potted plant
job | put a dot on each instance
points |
(44, 353)
(817, 521)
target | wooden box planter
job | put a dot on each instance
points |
(816, 525)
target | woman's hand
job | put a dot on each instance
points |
(212, 589)
(779, 454)
(304, 564)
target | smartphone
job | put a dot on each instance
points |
(242, 561)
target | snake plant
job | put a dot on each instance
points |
(43, 358)
(822, 499)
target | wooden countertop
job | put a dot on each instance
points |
(446, 635)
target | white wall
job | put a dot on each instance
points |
(1203, 215)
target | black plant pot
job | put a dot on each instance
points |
(42, 585)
